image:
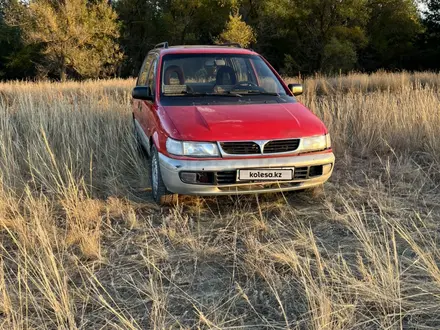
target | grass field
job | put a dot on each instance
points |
(83, 247)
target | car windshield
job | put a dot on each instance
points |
(226, 75)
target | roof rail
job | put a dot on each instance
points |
(162, 45)
(231, 44)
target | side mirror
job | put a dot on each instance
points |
(142, 93)
(297, 89)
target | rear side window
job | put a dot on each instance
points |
(143, 73)
(151, 76)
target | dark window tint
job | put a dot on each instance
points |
(152, 76)
(143, 74)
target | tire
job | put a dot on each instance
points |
(160, 193)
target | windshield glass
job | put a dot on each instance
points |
(227, 75)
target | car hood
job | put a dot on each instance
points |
(243, 122)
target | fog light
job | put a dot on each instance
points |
(326, 169)
(197, 177)
(188, 177)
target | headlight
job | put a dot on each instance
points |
(192, 149)
(200, 149)
(316, 143)
(328, 140)
(174, 147)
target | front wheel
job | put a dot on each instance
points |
(160, 193)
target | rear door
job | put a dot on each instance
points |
(139, 105)
(148, 108)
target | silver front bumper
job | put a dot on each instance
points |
(171, 167)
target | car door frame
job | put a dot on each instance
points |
(142, 108)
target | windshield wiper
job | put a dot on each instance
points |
(228, 94)
(253, 92)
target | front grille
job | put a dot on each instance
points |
(252, 148)
(240, 148)
(228, 177)
(277, 146)
(301, 173)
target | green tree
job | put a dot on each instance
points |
(237, 31)
(146, 23)
(432, 13)
(80, 38)
(15, 58)
(76, 36)
(142, 27)
(392, 32)
(335, 32)
(427, 50)
(310, 35)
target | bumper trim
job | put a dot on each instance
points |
(171, 167)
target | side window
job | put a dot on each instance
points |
(152, 77)
(142, 78)
(266, 78)
(262, 70)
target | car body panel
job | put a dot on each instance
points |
(243, 122)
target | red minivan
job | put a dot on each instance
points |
(219, 120)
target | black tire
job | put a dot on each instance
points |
(160, 193)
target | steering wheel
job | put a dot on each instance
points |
(244, 84)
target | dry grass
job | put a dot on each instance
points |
(81, 246)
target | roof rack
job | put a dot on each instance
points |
(231, 44)
(162, 45)
(165, 45)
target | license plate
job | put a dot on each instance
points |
(265, 174)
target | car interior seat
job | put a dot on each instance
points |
(225, 79)
(174, 75)
(174, 80)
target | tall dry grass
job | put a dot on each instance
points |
(81, 246)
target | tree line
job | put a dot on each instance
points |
(81, 39)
